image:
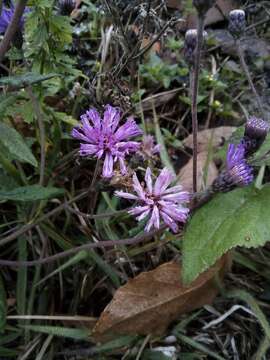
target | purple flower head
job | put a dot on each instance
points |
(237, 172)
(6, 17)
(237, 167)
(148, 147)
(104, 138)
(157, 201)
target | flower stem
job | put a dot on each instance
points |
(194, 92)
(248, 76)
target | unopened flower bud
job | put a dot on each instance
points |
(203, 6)
(66, 7)
(191, 39)
(237, 23)
(255, 133)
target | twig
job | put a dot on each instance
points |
(194, 108)
(248, 76)
(42, 134)
(33, 224)
(101, 244)
(12, 28)
(147, 47)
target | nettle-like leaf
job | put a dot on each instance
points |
(31, 193)
(15, 145)
(237, 218)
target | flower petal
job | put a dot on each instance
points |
(88, 149)
(163, 181)
(148, 180)
(107, 171)
(111, 119)
(138, 187)
(128, 130)
(182, 197)
(125, 195)
(170, 222)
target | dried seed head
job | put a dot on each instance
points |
(237, 22)
(203, 6)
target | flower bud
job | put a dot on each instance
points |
(191, 39)
(255, 133)
(237, 23)
(203, 6)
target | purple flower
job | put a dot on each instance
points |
(104, 138)
(148, 147)
(158, 202)
(6, 17)
(237, 172)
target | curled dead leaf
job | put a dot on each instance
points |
(211, 137)
(207, 172)
(148, 303)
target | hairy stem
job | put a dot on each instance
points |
(248, 76)
(42, 134)
(194, 91)
(12, 28)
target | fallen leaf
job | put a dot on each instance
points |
(216, 14)
(174, 4)
(210, 137)
(148, 303)
(205, 175)
(157, 100)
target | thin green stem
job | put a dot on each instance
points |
(248, 76)
(195, 89)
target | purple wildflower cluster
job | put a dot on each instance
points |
(238, 172)
(158, 201)
(104, 138)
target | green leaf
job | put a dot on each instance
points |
(15, 144)
(238, 218)
(3, 306)
(25, 80)
(31, 193)
(262, 156)
(76, 334)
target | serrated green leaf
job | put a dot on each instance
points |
(238, 218)
(30, 193)
(15, 144)
(25, 80)
(76, 334)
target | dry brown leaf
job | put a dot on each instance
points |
(148, 303)
(217, 13)
(214, 137)
(210, 169)
(174, 4)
